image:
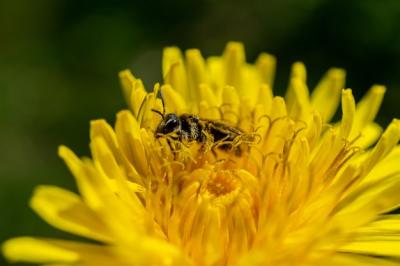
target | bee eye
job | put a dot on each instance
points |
(171, 124)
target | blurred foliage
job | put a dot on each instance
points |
(59, 62)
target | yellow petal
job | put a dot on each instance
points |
(196, 71)
(174, 72)
(385, 225)
(368, 107)
(82, 177)
(265, 97)
(65, 210)
(367, 202)
(207, 95)
(174, 102)
(298, 102)
(348, 111)
(343, 259)
(234, 60)
(137, 97)
(127, 130)
(252, 79)
(369, 135)
(98, 193)
(125, 189)
(297, 89)
(382, 247)
(133, 90)
(27, 249)
(230, 104)
(326, 95)
(100, 129)
(209, 112)
(102, 154)
(266, 65)
(387, 167)
(314, 131)
(145, 115)
(278, 109)
(127, 82)
(215, 68)
(299, 72)
(386, 143)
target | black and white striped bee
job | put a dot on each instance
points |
(191, 128)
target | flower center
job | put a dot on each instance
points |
(221, 184)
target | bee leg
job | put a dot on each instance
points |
(169, 144)
(171, 148)
(238, 151)
(226, 144)
(203, 148)
(214, 152)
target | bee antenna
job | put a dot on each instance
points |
(162, 101)
(158, 112)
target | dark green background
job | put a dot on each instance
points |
(59, 62)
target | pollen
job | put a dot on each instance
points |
(221, 184)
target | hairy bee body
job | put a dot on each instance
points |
(189, 128)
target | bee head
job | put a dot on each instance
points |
(170, 123)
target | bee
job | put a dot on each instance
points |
(191, 128)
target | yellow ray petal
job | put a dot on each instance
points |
(77, 168)
(57, 252)
(215, 69)
(367, 202)
(382, 247)
(174, 71)
(105, 158)
(137, 97)
(196, 71)
(278, 109)
(207, 95)
(65, 210)
(369, 135)
(230, 102)
(386, 143)
(326, 95)
(126, 190)
(145, 115)
(174, 102)
(348, 259)
(253, 81)
(133, 90)
(266, 65)
(98, 193)
(299, 71)
(234, 60)
(100, 128)
(27, 249)
(127, 131)
(265, 97)
(127, 83)
(384, 226)
(298, 102)
(367, 108)
(314, 131)
(348, 111)
(388, 167)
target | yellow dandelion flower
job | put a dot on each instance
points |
(212, 169)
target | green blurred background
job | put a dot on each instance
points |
(59, 62)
